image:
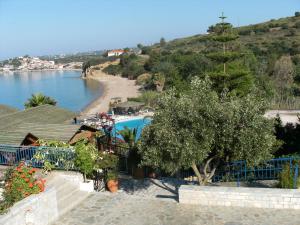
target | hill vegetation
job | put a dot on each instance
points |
(264, 56)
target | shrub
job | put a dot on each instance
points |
(286, 177)
(85, 157)
(109, 163)
(297, 14)
(111, 175)
(143, 79)
(150, 98)
(113, 69)
(20, 183)
(96, 68)
(297, 25)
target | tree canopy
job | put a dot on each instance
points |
(238, 78)
(39, 99)
(200, 129)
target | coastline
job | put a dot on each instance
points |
(41, 70)
(113, 86)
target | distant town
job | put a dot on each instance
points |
(60, 62)
(27, 63)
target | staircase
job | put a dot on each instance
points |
(68, 193)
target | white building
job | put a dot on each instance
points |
(116, 52)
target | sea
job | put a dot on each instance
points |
(66, 87)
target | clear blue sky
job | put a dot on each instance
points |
(39, 27)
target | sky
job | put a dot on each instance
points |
(43, 27)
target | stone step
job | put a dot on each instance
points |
(65, 189)
(51, 179)
(67, 192)
(71, 201)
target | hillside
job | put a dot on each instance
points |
(275, 36)
(265, 56)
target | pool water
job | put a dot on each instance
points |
(139, 124)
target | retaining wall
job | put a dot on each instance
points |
(41, 208)
(240, 196)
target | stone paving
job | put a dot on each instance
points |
(153, 202)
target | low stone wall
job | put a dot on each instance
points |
(40, 209)
(240, 196)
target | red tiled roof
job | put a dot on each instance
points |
(117, 50)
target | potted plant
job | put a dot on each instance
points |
(134, 158)
(112, 181)
(108, 162)
(85, 161)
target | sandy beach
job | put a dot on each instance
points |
(114, 86)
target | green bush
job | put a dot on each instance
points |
(286, 177)
(113, 69)
(85, 157)
(111, 175)
(109, 163)
(297, 25)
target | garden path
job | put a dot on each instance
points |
(154, 202)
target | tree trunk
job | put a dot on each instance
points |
(224, 64)
(197, 173)
(207, 176)
(84, 178)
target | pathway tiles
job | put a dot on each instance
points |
(148, 203)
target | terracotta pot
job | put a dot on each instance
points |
(152, 175)
(113, 185)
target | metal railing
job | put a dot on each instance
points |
(240, 171)
(121, 151)
(36, 156)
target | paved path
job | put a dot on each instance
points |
(154, 203)
(122, 209)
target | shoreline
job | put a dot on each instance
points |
(113, 86)
(93, 104)
(41, 70)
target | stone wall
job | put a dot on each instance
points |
(240, 196)
(38, 209)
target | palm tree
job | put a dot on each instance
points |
(39, 99)
(134, 158)
(129, 136)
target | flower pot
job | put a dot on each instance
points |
(113, 185)
(152, 175)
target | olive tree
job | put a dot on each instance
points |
(200, 129)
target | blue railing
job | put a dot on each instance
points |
(36, 156)
(239, 171)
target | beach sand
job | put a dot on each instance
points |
(114, 86)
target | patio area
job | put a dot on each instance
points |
(154, 202)
(124, 209)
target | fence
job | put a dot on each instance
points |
(36, 156)
(240, 171)
(121, 151)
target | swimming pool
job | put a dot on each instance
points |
(139, 124)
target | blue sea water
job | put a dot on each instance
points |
(139, 124)
(66, 87)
